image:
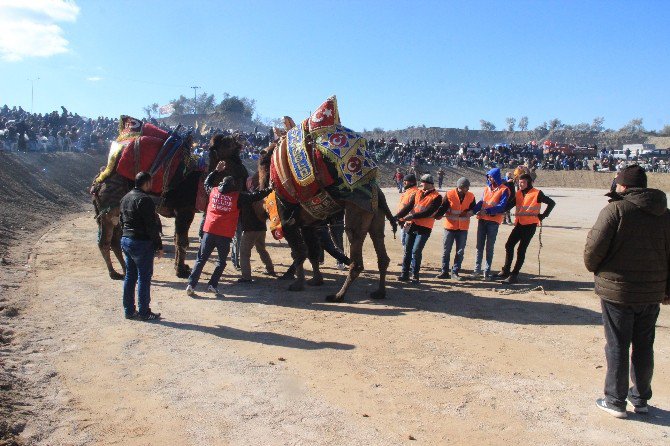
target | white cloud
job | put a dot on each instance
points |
(28, 28)
(94, 78)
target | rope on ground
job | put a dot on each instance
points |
(506, 291)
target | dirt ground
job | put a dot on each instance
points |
(435, 363)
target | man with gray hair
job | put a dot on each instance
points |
(456, 207)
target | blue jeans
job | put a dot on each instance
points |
(487, 231)
(414, 244)
(461, 237)
(207, 245)
(139, 256)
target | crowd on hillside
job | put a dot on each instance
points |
(417, 153)
(64, 131)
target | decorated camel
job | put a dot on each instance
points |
(318, 168)
(177, 182)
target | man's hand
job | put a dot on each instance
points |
(159, 253)
(666, 301)
(221, 166)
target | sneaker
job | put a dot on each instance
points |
(415, 279)
(340, 266)
(456, 277)
(476, 275)
(403, 278)
(611, 409)
(213, 289)
(443, 275)
(512, 278)
(133, 315)
(150, 316)
(642, 408)
(190, 291)
(487, 275)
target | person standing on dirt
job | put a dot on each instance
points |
(140, 242)
(527, 218)
(456, 207)
(223, 211)
(628, 250)
(440, 177)
(398, 178)
(409, 186)
(418, 219)
(489, 210)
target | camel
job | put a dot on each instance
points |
(298, 227)
(177, 201)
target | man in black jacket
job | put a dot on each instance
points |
(628, 250)
(140, 242)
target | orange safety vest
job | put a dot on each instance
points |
(422, 203)
(491, 199)
(406, 196)
(270, 204)
(454, 219)
(222, 213)
(527, 208)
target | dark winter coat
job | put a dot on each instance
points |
(628, 248)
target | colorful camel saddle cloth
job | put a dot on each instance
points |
(321, 155)
(144, 147)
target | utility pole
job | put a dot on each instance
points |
(195, 99)
(32, 92)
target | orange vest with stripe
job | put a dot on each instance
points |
(422, 204)
(491, 199)
(454, 219)
(527, 208)
(406, 196)
(222, 213)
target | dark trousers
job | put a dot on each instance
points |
(627, 325)
(414, 244)
(521, 234)
(207, 245)
(139, 257)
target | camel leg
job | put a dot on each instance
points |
(312, 241)
(116, 247)
(293, 236)
(377, 235)
(105, 242)
(182, 223)
(357, 223)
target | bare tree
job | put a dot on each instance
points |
(597, 124)
(523, 123)
(487, 125)
(555, 124)
(511, 122)
(633, 126)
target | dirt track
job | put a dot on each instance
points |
(441, 363)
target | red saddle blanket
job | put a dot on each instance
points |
(148, 149)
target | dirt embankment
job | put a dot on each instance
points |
(38, 189)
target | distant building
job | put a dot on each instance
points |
(638, 149)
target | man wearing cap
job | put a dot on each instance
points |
(628, 250)
(409, 186)
(418, 219)
(489, 210)
(456, 207)
(223, 211)
(527, 218)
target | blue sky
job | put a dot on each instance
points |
(392, 64)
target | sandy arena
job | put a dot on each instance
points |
(435, 363)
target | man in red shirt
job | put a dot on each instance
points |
(220, 225)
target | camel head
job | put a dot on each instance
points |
(223, 148)
(264, 159)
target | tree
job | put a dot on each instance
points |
(151, 110)
(466, 128)
(523, 123)
(597, 124)
(542, 127)
(583, 127)
(555, 124)
(206, 103)
(633, 126)
(181, 105)
(487, 125)
(511, 122)
(666, 130)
